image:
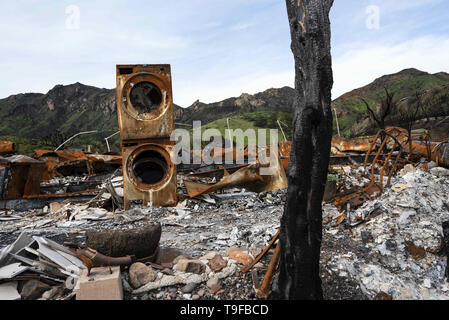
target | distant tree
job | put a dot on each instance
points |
(387, 106)
(407, 115)
(301, 223)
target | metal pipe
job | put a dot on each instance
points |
(76, 135)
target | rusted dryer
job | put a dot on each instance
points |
(146, 121)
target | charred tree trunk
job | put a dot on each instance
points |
(301, 224)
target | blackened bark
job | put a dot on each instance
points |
(301, 223)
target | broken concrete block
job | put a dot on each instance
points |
(217, 263)
(239, 255)
(33, 290)
(55, 206)
(100, 285)
(191, 266)
(140, 274)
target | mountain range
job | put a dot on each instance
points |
(67, 110)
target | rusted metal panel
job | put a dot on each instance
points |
(72, 163)
(284, 153)
(7, 147)
(248, 177)
(341, 145)
(21, 176)
(145, 101)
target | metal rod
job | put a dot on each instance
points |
(338, 126)
(279, 123)
(76, 135)
(107, 139)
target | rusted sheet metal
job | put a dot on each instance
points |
(21, 177)
(7, 147)
(284, 153)
(435, 151)
(75, 163)
(341, 145)
(248, 177)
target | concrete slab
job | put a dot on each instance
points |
(100, 285)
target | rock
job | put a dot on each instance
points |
(217, 263)
(168, 272)
(168, 255)
(391, 244)
(239, 255)
(440, 172)
(366, 236)
(195, 297)
(432, 165)
(182, 257)
(215, 288)
(409, 168)
(201, 292)
(140, 274)
(213, 282)
(55, 206)
(33, 290)
(209, 255)
(188, 288)
(190, 266)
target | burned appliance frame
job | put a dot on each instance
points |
(146, 121)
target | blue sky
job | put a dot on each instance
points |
(217, 48)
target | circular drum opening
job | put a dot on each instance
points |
(150, 167)
(146, 97)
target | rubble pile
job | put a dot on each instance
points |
(401, 245)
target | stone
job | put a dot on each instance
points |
(181, 257)
(168, 255)
(168, 272)
(140, 274)
(55, 206)
(440, 172)
(366, 236)
(100, 285)
(33, 290)
(209, 255)
(188, 288)
(191, 266)
(217, 263)
(215, 288)
(195, 297)
(201, 292)
(239, 255)
(213, 282)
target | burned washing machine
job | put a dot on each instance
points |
(146, 121)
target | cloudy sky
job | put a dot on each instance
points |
(217, 48)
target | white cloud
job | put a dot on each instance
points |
(361, 65)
